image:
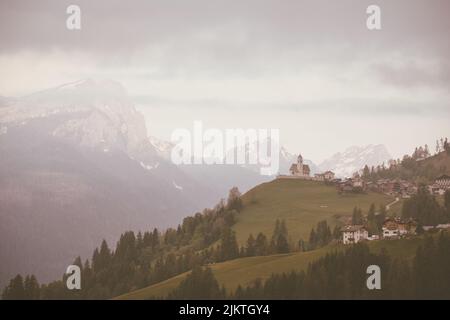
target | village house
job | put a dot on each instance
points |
(345, 185)
(299, 169)
(441, 184)
(319, 177)
(351, 185)
(354, 234)
(395, 228)
(403, 228)
(393, 187)
(358, 183)
(443, 181)
(390, 187)
(390, 229)
(407, 189)
(436, 190)
(326, 176)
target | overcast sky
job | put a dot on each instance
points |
(309, 68)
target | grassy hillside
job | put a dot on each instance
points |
(301, 204)
(245, 270)
(239, 271)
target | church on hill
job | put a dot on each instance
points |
(299, 169)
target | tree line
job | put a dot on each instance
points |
(425, 208)
(140, 260)
(410, 167)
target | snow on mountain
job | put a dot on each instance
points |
(90, 112)
(148, 166)
(353, 159)
(162, 147)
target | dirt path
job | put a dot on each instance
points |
(388, 206)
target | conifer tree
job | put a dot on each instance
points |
(15, 290)
(229, 248)
(261, 245)
(251, 244)
(199, 284)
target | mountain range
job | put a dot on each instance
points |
(76, 167)
(345, 164)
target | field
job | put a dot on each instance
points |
(301, 204)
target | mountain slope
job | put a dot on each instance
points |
(76, 167)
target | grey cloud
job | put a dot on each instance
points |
(218, 39)
(129, 25)
(341, 107)
(221, 38)
(410, 75)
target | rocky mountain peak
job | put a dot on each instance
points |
(95, 113)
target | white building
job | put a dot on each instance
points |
(354, 234)
(328, 175)
(390, 233)
(436, 189)
(390, 229)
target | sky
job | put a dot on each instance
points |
(309, 68)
